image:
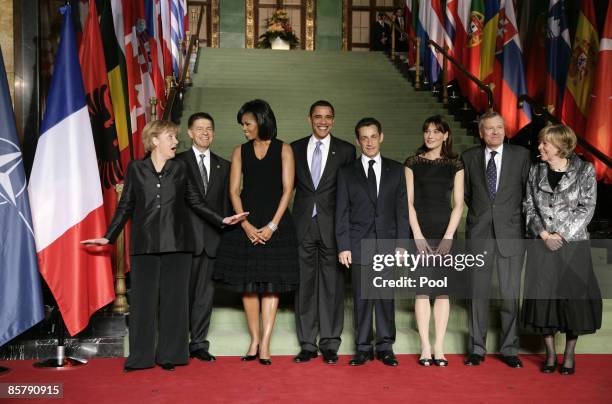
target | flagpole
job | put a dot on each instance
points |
(60, 360)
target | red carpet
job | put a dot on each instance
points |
(229, 380)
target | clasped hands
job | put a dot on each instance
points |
(257, 236)
(553, 241)
(443, 248)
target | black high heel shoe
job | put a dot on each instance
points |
(567, 371)
(265, 361)
(248, 358)
(425, 361)
(548, 368)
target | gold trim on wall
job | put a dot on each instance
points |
(310, 24)
(250, 24)
(214, 32)
(345, 17)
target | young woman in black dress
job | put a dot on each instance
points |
(261, 257)
(433, 176)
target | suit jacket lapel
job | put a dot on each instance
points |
(505, 167)
(331, 154)
(362, 178)
(303, 162)
(482, 168)
(213, 175)
(384, 177)
(193, 166)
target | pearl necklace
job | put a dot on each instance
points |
(561, 169)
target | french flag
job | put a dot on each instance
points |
(430, 27)
(66, 196)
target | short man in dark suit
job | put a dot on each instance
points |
(371, 204)
(495, 178)
(212, 175)
(381, 34)
(319, 301)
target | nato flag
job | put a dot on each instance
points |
(21, 304)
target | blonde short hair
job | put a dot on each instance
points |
(154, 129)
(561, 136)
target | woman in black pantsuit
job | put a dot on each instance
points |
(156, 192)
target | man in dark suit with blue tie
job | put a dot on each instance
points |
(371, 204)
(211, 173)
(495, 178)
(319, 301)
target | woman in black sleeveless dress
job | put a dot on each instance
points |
(433, 175)
(261, 257)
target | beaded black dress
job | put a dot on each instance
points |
(263, 268)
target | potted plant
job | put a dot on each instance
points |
(279, 33)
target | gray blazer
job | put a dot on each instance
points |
(500, 218)
(566, 210)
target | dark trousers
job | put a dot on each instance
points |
(509, 275)
(363, 310)
(319, 301)
(159, 307)
(201, 293)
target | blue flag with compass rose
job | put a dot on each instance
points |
(21, 304)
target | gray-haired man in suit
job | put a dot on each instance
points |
(495, 178)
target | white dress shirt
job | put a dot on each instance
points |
(312, 144)
(498, 161)
(206, 159)
(365, 161)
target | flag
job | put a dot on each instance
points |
(558, 53)
(117, 80)
(581, 71)
(509, 74)
(459, 11)
(65, 194)
(20, 296)
(450, 28)
(431, 28)
(599, 126)
(411, 16)
(489, 40)
(99, 103)
(164, 23)
(178, 26)
(533, 28)
(153, 11)
(471, 53)
(127, 14)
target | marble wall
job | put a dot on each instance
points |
(6, 41)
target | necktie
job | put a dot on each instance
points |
(203, 173)
(315, 170)
(492, 175)
(372, 180)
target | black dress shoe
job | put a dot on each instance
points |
(473, 360)
(203, 355)
(567, 371)
(329, 356)
(265, 361)
(512, 361)
(387, 357)
(128, 369)
(305, 356)
(361, 357)
(248, 358)
(167, 366)
(548, 368)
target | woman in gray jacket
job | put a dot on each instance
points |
(561, 291)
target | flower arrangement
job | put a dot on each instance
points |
(278, 27)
